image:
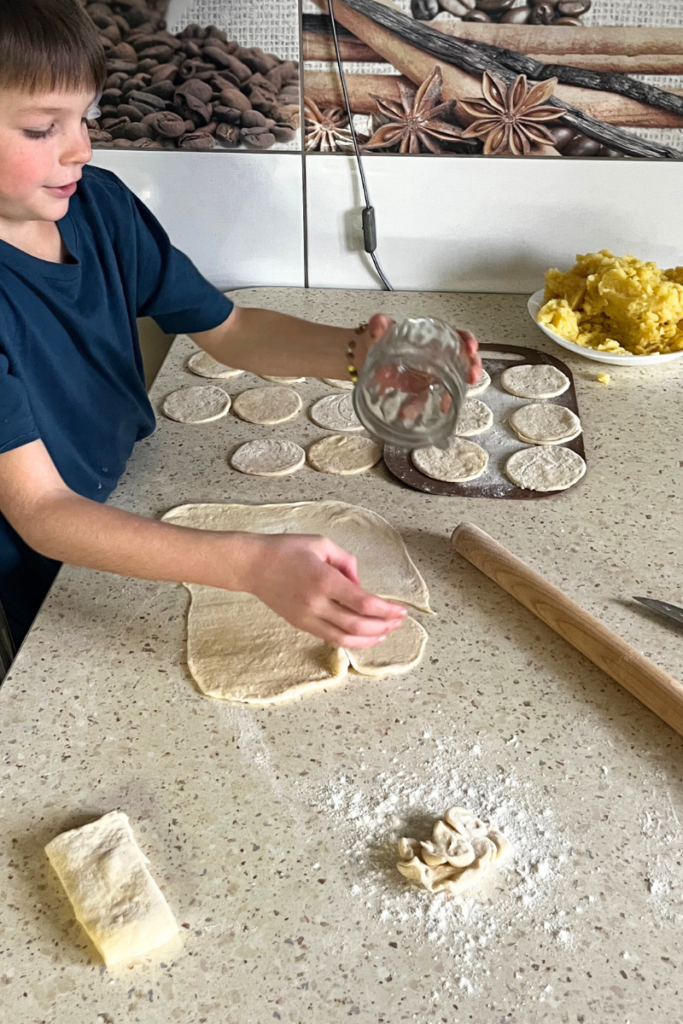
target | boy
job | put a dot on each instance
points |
(80, 259)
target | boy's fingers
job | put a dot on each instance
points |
(355, 599)
(359, 626)
(341, 560)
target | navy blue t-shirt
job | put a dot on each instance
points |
(71, 371)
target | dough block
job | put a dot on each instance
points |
(114, 897)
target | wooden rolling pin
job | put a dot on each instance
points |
(651, 685)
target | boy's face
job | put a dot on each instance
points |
(43, 146)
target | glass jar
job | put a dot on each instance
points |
(412, 385)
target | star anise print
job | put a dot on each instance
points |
(327, 131)
(417, 120)
(509, 118)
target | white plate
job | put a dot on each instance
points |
(535, 303)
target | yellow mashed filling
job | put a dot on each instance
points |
(616, 304)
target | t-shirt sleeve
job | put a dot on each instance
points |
(17, 426)
(169, 287)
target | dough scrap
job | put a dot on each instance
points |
(474, 418)
(238, 649)
(545, 424)
(199, 404)
(399, 653)
(267, 406)
(534, 381)
(114, 896)
(460, 852)
(283, 380)
(344, 455)
(204, 365)
(481, 385)
(336, 412)
(545, 468)
(462, 460)
(268, 457)
(343, 385)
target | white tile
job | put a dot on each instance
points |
(477, 224)
(238, 216)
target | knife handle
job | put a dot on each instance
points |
(652, 686)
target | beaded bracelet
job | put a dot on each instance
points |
(350, 352)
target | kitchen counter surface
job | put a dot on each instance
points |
(271, 830)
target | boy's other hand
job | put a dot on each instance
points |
(314, 585)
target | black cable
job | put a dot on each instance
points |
(369, 226)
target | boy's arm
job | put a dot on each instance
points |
(309, 581)
(263, 342)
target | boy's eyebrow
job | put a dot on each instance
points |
(50, 110)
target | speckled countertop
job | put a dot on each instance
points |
(270, 830)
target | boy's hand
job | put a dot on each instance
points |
(380, 323)
(314, 585)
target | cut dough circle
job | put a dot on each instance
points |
(545, 468)
(204, 365)
(399, 653)
(268, 457)
(200, 404)
(344, 455)
(474, 418)
(267, 406)
(343, 385)
(462, 460)
(336, 412)
(545, 424)
(481, 385)
(283, 380)
(240, 650)
(534, 381)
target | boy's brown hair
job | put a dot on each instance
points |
(49, 46)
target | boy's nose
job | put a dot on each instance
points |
(78, 150)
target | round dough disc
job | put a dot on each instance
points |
(205, 365)
(539, 381)
(545, 469)
(283, 380)
(481, 385)
(399, 653)
(463, 460)
(336, 412)
(267, 405)
(200, 404)
(264, 457)
(344, 455)
(343, 385)
(545, 424)
(474, 418)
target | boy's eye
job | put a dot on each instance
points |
(31, 133)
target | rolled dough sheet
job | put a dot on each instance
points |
(343, 385)
(534, 381)
(268, 457)
(462, 460)
(267, 406)
(474, 418)
(547, 468)
(336, 412)
(238, 649)
(545, 424)
(204, 365)
(344, 454)
(200, 404)
(114, 897)
(481, 385)
(399, 653)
